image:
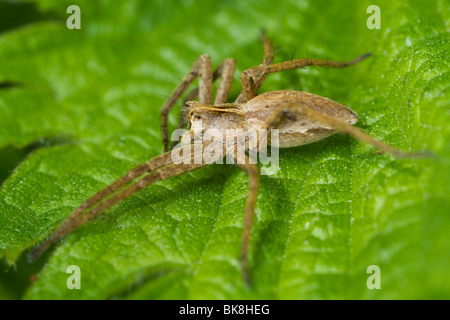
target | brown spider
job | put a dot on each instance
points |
(300, 117)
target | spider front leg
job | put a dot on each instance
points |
(201, 69)
(281, 112)
(158, 168)
(226, 72)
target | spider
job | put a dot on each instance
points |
(299, 117)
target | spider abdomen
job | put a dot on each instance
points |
(295, 130)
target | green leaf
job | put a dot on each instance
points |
(84, 109)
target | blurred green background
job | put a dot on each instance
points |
(78, 108)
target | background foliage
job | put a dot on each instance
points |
(80, 108)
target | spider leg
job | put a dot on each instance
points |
(253, 78)
(150, 165)
(225, 71)
(268, 60)
(274, 120)
(202, 69)
(158, 175)
(268, 50)
(159, 168)
(253, 175)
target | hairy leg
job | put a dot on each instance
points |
(253, 78)
(225, 71)
(159, 168)
(268, 60)
(253, 175)
(201, 69)
(268, 50)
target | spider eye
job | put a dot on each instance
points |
(198, 117)
(192, 113)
